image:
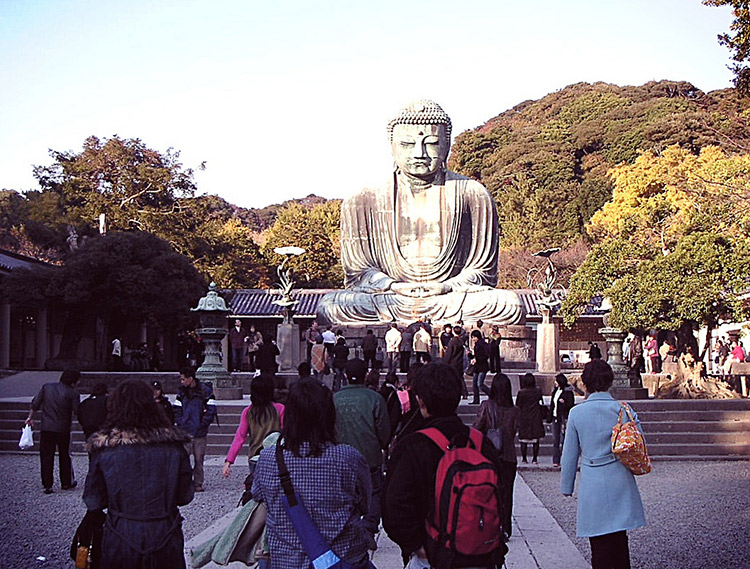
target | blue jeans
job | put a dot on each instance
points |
(479, 384)
(558, 437)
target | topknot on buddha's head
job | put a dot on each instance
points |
(424, 111)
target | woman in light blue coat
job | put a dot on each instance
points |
(608, 500)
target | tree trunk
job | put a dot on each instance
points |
(691, 382)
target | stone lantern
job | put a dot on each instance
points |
(622, 388)
(212, 312)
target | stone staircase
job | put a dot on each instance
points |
(675, 430)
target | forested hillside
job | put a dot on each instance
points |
(547, 161)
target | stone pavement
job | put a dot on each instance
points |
(538, 542)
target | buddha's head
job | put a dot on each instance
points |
(420, 139)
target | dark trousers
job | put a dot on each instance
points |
(251, 361)
(369, 357)
(404, 363)
(48, 442)
(237, 357)
(495, 366)
(610, 551)
(507, 479)
(371, 520)
(558, 438)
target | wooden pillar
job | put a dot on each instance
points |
(41, 344)
(4, 334)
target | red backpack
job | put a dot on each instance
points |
(466, 515)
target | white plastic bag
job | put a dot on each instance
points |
(27, 438)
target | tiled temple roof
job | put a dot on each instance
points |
(10, 261)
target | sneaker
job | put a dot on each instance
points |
(71, 486)
(49, 491)
(199, 489)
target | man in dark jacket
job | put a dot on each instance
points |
(410, 480)
(455, 354)
(369, 349)
(195, 410)
(58, 403)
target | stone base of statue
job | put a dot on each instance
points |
(287, 339)
(547, 344)
(518, 344)
(628, 393)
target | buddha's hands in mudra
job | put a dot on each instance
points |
(420, 290)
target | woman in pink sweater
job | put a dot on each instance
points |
(261, 418)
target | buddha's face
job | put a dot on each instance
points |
(419, 150)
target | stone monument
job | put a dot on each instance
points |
(212, 312)
(423, 245)
(287, 333)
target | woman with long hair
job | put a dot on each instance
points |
(609, 503)
(498, 412)
(333, 481)
(140, 473)
(560, 404)
(257, 421)
(530, 427)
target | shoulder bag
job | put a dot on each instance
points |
(628, 444)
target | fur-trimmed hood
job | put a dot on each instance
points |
(116, 437)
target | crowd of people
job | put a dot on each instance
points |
(366, 449)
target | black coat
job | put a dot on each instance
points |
(265, 357)
(410, 484)
(140, 478)
(92, 412)
(564, 403)
(454, 355)
(481, 357)
(340, 356)
(529, 401)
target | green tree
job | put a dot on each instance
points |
(120, 277)
(737, 41)
(672, 244)
(315, 229)
(136, 187)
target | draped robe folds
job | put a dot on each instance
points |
(374, 256)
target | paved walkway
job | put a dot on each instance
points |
(538, 541)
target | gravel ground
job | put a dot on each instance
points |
(35, 525)
(698, 515)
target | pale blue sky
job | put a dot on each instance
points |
(286, 98)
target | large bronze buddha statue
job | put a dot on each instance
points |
(426, 244)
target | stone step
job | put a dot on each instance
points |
(695, 426)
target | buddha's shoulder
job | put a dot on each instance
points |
(467, 185)
(366, 196)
